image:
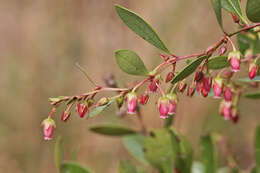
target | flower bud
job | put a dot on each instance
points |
(131, 102)
(169, 77)
(222, 50)
(235, 116)
(198, 86)
(217, 87)
(204, 92)
(227, 74)
(143, 99)
(235, 18)
(48, 127)
(172, 101)
(90, 102)
(207, 82)
(234, 59)
(226, 110)
(65, 116)
(120, 101)
(198, 76)
(164, 57)
(182, 86)
(228, 94)
(103, 101)
(163, 106)
(253, 69)
(153, 85)
(82, 109)
(190, 91)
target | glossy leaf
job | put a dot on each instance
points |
(158, 150)
(257, 147)
(99, 109)
(208, 154)
(248, 80)
(140, 27)
(126, 167)
(135, 146)
(130, 62)
(217, 9)
(254, 95)
(71, 167)
(233, 6)
(112, 130)
(253, 10)
(58, 154)
(189, 69)
(218, 62)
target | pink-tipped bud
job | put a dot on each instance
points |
(182, 86)
(222, 50)
(226, 110)
(144, 99)
(153, 85)
(217, 87)
(190, 91)
(235, 18)
(65, 116)
(163, 106)
(131, 102)
(228, 94)
(48, 127)
(169, 77)
(82, 109)
(164, 57)
(234, 59)
(173, 102)
(253, 69)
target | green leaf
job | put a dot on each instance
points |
(254, 95)
(135, 146)
(158, 150)
(71, 167)
(217, 9)
(253, 10)
(233, 6)
(189, 69)
(130, 62)
(254, 170)
(248, 80)
(257, 148)
(99, 109)
(112, 130)
(208, 154)
(126, 167)
(58, 153)
(218, 62)
(243, 42)
(140, 27)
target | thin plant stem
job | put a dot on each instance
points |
(85, 73)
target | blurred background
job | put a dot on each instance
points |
(41, 40)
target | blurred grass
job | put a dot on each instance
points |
(42, 40)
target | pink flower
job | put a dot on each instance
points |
(131, 102)
(190, 91)
(198, 85)
(172, 101)
(253, 69)
(152, 85)
(207, 82)
(144, 98)
(65, 116)
(82, 109)
(163, 106)
(182, 86)
(48, 127)
(217, 87)
(204, 92)
(228, 94)
(234, 59)
(227, 110)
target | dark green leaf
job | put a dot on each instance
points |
(126, 167)
(189, 69)
(253, 10)
(71, 167)
(135, 145)
(217, 9)
(99, 109)
(233, 6)
(112, 130)
(218, 62)
(255, 95)
(130, 63)
(243, 42)
(248, 80)
(158, 150)
(208, 154)
(256, 46)
(257, 147)
(58, 153)
(254, 170)
(140, 27)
